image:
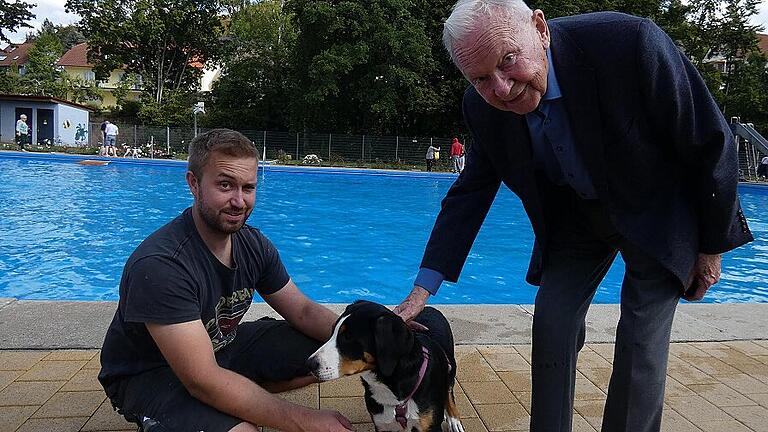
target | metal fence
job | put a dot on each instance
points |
(332, 149)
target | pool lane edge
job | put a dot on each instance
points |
(37, 324)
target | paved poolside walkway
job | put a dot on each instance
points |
(717, 378)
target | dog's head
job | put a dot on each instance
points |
(367, 336)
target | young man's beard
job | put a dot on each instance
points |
(211, 217)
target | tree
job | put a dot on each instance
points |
(14, 15)
(42, 76)
(68, 35)
(255, 64)
(159, 40)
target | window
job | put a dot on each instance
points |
(3, 57)
(89, 76)
(16, 58)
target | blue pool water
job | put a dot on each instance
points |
(66, 231)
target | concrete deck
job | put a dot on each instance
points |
(717, 378)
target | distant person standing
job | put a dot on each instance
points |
(22, 132)
(111, 131)
(433, 153)
(103, 128)
(457, 156)
(762, 169)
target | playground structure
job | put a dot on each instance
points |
(751, 147)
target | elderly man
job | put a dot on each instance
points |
(22, 132)
(611, 140)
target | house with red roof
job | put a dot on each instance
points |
(15, 56)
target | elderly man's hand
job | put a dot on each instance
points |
(413, 304)
(706, 272)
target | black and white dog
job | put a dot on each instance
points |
(408, 376)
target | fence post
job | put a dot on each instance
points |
(363, 153)
(168, 140)
(397, 146)
(329, 149)
(152, 146)
(297, 146)
(134, 135)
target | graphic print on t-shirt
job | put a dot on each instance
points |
(222, 328)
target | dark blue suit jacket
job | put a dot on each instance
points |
(659, 151)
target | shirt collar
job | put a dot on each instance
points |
(553, 88)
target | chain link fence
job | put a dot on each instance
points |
(288, 147)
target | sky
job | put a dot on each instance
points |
(54, 11)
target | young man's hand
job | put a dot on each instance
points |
(326, 421)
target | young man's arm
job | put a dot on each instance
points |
(187, 348)
(310, 318)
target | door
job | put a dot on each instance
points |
(45, 126)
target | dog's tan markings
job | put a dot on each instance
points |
(450, 405)
(368, 358)
(351, 367)
(425, 420)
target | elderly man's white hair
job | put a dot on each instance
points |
(465, 13)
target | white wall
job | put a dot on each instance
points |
(69, 120)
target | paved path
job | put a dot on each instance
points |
(717, 378)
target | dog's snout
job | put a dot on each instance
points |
(312, 364)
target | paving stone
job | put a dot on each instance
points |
(490, 392)
(475, 370)
(71, 424)
(20, 360)
(690, 375)
(71, 355)
(502, 362)
(504, 417)
(599, 377)
(6, 377)
(674, 389)
(107, 419)
(580, 424)
(12, 417)
(732, 356)
(516, 380)
(748, 347)
(762, 359)
(721, 395)
(672, 421)
(752, 416)
(591, 410)
(744, 383)
(84, 379)
(696, 408)
(466, 410)
(762, 343)
(52, 371)
(29, 392)
(760, 399)
(94, 363)
(585, 390)
(305, 396)
(592, 360)
(686, 350)
(525, 400)
(473, 425)
(525, 351)
(353, 408)
(603, 350)
(496, 349)
(347, 386)
(714, 367)
(71, 404)
(730, 426)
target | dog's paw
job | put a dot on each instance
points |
(452, 424)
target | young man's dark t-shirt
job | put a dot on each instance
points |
(173, 277)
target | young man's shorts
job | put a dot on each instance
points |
(266, 350)
(111, 140)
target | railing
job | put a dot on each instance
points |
(288, 147)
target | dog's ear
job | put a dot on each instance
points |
(393, 340)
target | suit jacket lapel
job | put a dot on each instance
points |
(578, 85)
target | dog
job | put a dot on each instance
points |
(408, 376)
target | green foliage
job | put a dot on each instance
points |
(13, 16)
(42, 76)
(68, 35)
(10, 80)
(158, 40)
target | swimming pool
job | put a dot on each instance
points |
(67, 230)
